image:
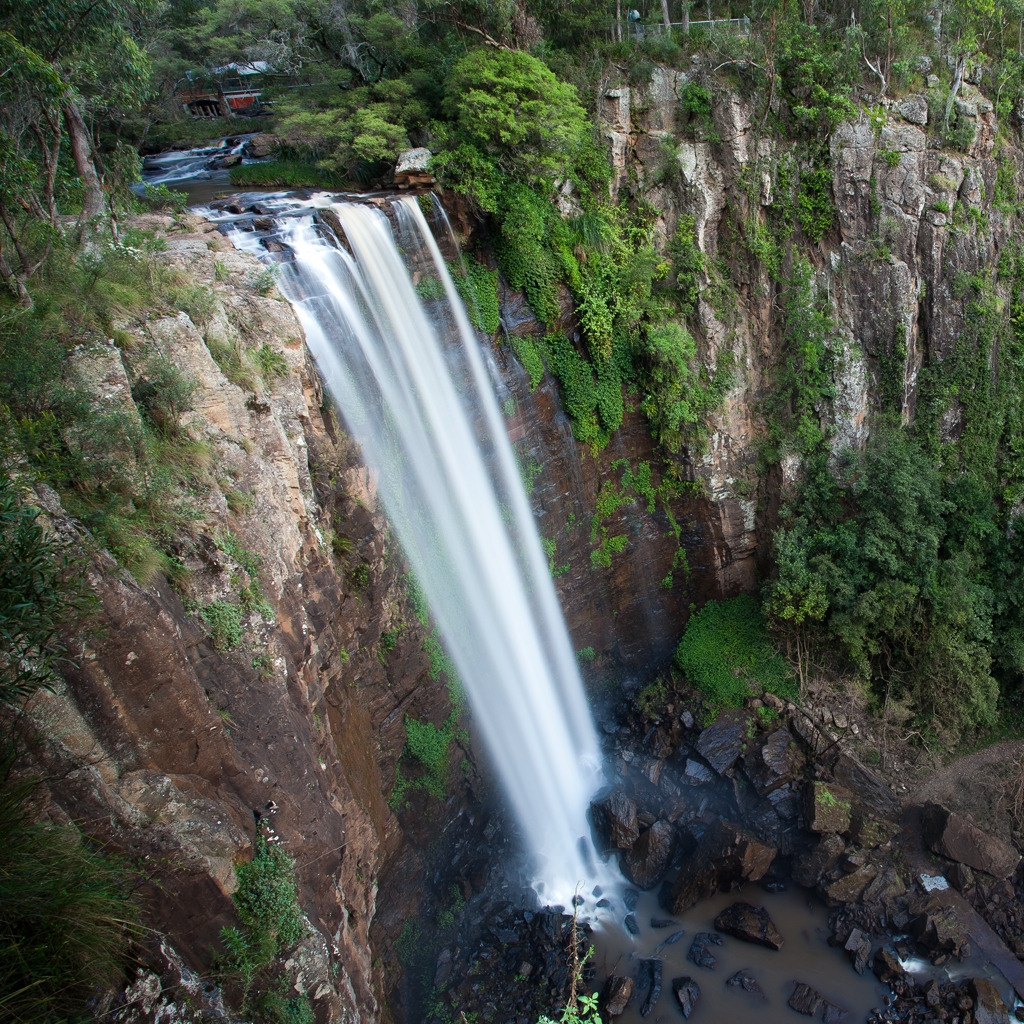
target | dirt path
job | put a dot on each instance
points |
(973, 781)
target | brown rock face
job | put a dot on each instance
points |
(171, 747)
(751, 924)
(616, 994)
(646, 863)
(615, 819)
(989, 1007)
(828, 807)
(953, 836)
(725, 857)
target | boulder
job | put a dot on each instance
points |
(631, 926)
(646, 863)
(413, 162)
(261, 145)
(726, 855)
(616, 994)
(687, 993)
(751, 924)
(951, 835)
(652, 969)
(746, 982)
(989, 1007)
(935, 926)
(886, 966)
(775, 763)
(858, 945)
(699, 953)
(914, 109)
(722, 743)
(848, 888)
(614, 817)
(806, 1000)
(828, 807)
(832, 1014)
(819, 861)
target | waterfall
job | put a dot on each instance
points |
(409, 377)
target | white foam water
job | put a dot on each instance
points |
(411, 383)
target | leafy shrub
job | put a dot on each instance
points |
(815, 207)
(163, 394)
(687, 263)
(225, 621)
(726, 648)
(529, 355)
(160, 197)
(478, 288)
(266, 902)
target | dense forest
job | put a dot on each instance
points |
(899, 565)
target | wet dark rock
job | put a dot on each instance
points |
(647, 862)
(832, 1014)
(699, 774)
(774, 764)
(932, 995)
(699, 953)
(662, 922)
(961, 877)
(886, 966)
(671, 940)
(828, 807)
(871, 797)
(604, 903)
(849, 888)
(614, 816)
(726, 856)
(616, 994)
(722, 743)
(746, 982)
(806, 1000)
(953, 836)
(858, 945)
(444, 969)
(819, 861)
(936, 926)
(578, 900)
(630, 898)
(687, 993)
(989, 1007)
(751, 924)
(652, 969)
(631, 926)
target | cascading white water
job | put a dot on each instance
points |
(413, 389)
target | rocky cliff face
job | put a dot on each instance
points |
(914, 220)
(172, 748)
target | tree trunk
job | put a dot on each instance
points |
(618, 21)
(958, 80)
(15, 283)
(665, 17)
(686, 17)
(92, 194)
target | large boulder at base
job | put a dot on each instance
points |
(262, 144)
(828, 807)
(989, 1007)
(858, 945)
(616, 994)
(774, 763)
(935, 925)
(886, 966)
(806, 1000)
(848, 888)
(953, 836)
(726, 856)
(413, 168)
(652, 971)
(647, 862)
(810, 868)
(614, 815)
(751, 924)
(721, 743)
(687, 993)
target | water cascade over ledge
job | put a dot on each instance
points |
(410, 379)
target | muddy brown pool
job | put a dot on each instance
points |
(805, 956)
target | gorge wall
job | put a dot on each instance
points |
(171, 746)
